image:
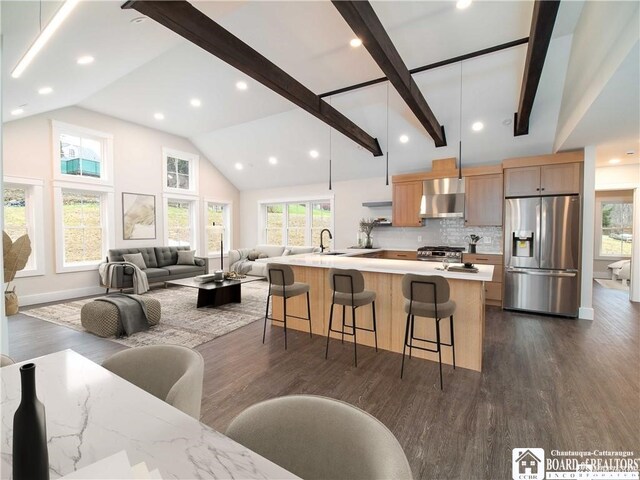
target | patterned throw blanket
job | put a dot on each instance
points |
(132, 313)
(140, 282)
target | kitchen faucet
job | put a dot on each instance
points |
(322, 247)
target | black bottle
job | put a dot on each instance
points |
(30, 456)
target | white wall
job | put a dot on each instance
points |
(618, 177)
(137, 159)
(348, 197)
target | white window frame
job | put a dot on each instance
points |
(106, 167)
(262, 216)
(35, 220)
(194, 243)
(194, 163)
(228, 227)
(107, 205)
(598, 226)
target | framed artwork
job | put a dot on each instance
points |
(138, 216)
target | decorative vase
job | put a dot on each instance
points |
(472, 248)
(368, 242)
(30, 455)
(10, 303)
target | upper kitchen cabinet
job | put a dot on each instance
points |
(406, 204)
(553, 179)
(483, 200)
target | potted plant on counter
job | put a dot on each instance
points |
(15, 257)
(473, 240)
(366, 227)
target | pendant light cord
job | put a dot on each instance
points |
(330, 149)
(460, 126)
(387, 174)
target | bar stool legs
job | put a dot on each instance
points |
(353, 330)
(409, 337)
(284, 320)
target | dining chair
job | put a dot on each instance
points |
(172, 373)
(319, 438)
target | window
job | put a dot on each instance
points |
(23, 215)
(296, 223)
(82, 155)
(83, 229)
(180, 171)
(217, 221)
(616, 223)
(180, 222)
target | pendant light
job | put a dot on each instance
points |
(460, 139)
(330, 162)
(387, 174)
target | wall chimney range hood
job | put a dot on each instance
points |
(442, 198)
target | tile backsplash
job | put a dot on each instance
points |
(440, 231)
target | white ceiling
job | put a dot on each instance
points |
(141, 69)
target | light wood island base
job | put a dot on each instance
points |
(390, 315)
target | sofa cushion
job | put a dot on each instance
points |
(253, 255)
(186, 257)
(299, 250)
(270, 250)
(148, 255)
(168, 255)
(156, 272)
(183, 269)
(136, 259)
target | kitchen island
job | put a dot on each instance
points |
(384, 276)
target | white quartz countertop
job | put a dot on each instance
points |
(379, 265)
(92, 414)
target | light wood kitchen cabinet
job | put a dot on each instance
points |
(406, 204)
(492, 289)
(553, 179)
(483, 200)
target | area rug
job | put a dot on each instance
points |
(182, 323)
(614, 284)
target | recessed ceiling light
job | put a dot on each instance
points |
(477, 126)
(195, 102)
(239, 166)
(355, 42)
(314, 153)
(45, 90)
(273, 160)
(404, 138)
(242, 85)
(462, 4)
(17, 111)
(613, 161)
(158, 116)
(86, 60)
(138, 19)
(45, 34)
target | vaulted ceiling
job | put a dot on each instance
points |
(142, 68)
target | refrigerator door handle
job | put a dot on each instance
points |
(542, 273)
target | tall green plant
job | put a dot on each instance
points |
(15, 256)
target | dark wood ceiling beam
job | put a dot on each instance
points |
(187, 21)
(542, 22)
(367, 26)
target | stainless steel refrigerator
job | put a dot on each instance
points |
(542, 254)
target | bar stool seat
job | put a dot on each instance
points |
(422, 309)
(293, 290)
(358, 300)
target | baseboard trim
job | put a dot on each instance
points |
(26, 300)
(586, 313)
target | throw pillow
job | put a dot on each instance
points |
(286, 252)
(186, 257)
(253, 255)
(136, 259)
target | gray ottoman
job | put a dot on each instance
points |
(102, 318)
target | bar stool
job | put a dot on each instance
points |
(427, 296)
(348, 291)
(282, 284)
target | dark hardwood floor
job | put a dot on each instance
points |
(547, 382)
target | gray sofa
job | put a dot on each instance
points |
(161, 265)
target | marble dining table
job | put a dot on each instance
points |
(93, 414)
